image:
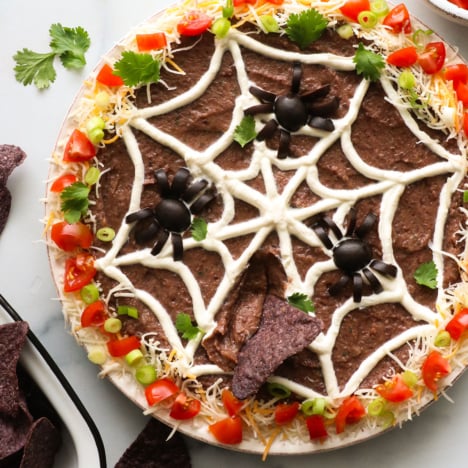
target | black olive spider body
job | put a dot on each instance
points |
(353, 255)
(172, 216)
(292, 110)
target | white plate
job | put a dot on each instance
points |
(449, 11)
(82, 445)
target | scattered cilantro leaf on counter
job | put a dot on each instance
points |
(35, 68)
(368, 63)
(199, 229)
(69, 44)
(305, 27)
(245, 131)
(301, 301)
(185, 326)
(137, 69)
(75, 201)
(426, 275)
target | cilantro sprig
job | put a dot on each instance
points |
(302, 302)
(305, 27)
(75, 201)
(368, 63)
(185, 326)
(137, 69)
(68, 44)
(245, 131)
(426, 275)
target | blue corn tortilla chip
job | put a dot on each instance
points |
(41, 445)
(10, 157)
(152, 449)
(12, 339)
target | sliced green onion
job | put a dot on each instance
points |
(105, 234)
(269, 23)
(418, 36)
(442, 339)
(97, 355)
(387, 418)
(146, 374)
(221, 27)
(313, 406)
(113, 325)
(95, 129)
(102, 99)
(277, 390)
(376, 407)
(406, 80)
(89, 293)
(410, 378)
(465, 196)
(134, 357)
(127, 310)
(379, 7)
(92, 175)
(367, 19)
(345, 31)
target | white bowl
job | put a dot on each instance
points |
(449, 11)
(81, 445)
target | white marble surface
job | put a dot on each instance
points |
(31, 119)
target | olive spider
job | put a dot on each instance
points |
(293, 110)
(172, 215)
(353, 255)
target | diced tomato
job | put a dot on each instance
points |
(398, 19)
(465, 123)
(457, 73)
(286, 412)
(230, 402)
(462, 93)
(275, 2)
(62, 182)
(243, 2)
(352, 8)
(460, 3)
(121, 347)
(94, 315)
(78, 148)
(194, 23)
(106, 77)
(69, 237)
(152, 41)
(459, 323)
(184, 407)
(433, 58)
(433, 369)
(350, 412)
(395, 390)
(160, 390)
(403, 57)
(228, 430)
(316, 426)
(79, 271)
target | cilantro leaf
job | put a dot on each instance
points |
(302, 302)
(305, 27)
(185, 327)
(368, 63)
(70, 44)
(34, 67)
(199, 229)
(75, 201)
(426, 275)
(137, 69)
(245, 131)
